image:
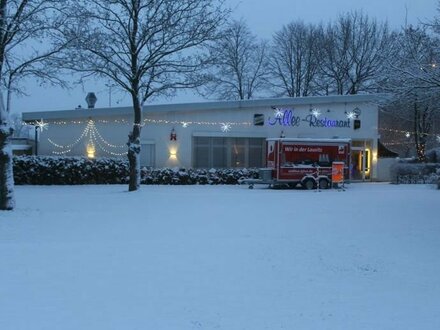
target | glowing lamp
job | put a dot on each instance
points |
(173, 153)
(90, 150)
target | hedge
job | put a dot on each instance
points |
(405, 172)
(47, 170)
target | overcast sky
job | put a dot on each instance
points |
(264, 17)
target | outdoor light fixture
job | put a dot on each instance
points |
(90, 150)
(39, 125)
(350, 115)
(225, 127)
(173, 153)
(278, 112)
(315, 112)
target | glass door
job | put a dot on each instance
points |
(360, 166)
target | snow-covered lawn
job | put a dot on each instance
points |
(220, 257)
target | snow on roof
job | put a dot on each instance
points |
(204, 106)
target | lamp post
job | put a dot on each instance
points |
(39, 125)
(36, 140)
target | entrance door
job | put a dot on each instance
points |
(360, 164)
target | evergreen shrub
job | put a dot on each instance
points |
(63, 170)
(407, 172)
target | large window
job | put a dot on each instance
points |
(220, 152)
(147, 155)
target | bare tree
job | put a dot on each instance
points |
(293, 62)
(237, 65)
(351, 52)
(148, 48)
(28, 42)
(411, 75)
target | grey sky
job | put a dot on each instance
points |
(264, 17)
(267, 16)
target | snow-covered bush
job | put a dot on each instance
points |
(46, 170)
(438, 178)
(406, 172)
(433, 155)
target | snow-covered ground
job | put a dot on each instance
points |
(220, 257)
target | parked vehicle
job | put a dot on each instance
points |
(309, 162)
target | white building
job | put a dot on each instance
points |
(215, 134)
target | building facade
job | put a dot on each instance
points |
(215, 134)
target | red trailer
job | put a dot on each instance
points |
(309, 162)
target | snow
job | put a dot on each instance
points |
(220, 257)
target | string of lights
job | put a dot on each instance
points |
(150, 121)
(94, 137)
(78, 140)
(188, 123)
(81, 122)
(100, 146)
(407, 133)
(397, 143)
(95, 131)
(59, 153)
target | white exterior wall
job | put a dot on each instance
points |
(205, 120)
(384, 168)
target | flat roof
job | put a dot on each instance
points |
(203, 106)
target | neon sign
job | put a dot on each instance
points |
(326, 122)
(287, 117)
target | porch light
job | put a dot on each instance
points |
(90, 150)
(173, 153)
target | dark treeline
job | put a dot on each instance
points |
(352, 54)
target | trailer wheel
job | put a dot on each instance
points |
(324, 184)
(308, 184)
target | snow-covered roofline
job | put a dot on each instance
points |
(204, 106)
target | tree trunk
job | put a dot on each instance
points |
(134, 148)
(7, 200)
(419, 133)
